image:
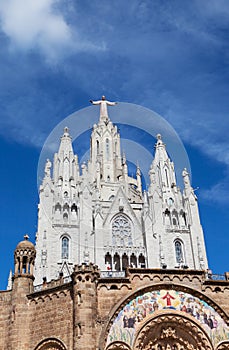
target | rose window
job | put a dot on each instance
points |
(121, 231)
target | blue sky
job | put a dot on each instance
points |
(168, 56)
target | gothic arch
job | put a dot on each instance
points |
(223, 345)
(65, 245)
(171, 330)
(175, 218)
(179, 251)
(50, 344)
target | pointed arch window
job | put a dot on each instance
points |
(166, 177)
(65, 248)
(179, 252)
(97, 147)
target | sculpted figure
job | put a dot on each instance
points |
(103, 106)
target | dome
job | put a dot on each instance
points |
(26, 244)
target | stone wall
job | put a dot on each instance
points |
(80, 314)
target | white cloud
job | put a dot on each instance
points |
(217, 193)
(38, 24)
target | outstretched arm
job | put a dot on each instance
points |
(95, 102)
(111, 103)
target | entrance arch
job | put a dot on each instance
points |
(223, 346)
(118, 346)
(151, 302)
(171, 331)
(50, 344)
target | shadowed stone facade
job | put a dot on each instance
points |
(114, 267)
(89, 312)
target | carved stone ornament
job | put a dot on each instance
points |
(51, 344)
(223, 346)
(118, 346)
(172, 332)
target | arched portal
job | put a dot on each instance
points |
(151, 303)
(118, 346)
(223, 346)
(50, 344)
(171, 331)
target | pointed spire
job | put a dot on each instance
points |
(65, 143)
(160, 148)
(66, 131)
(161, 154)
(65, 167)
(162, 172)
(66, 136)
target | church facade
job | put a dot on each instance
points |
(114, 267)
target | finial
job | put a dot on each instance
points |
(26, 237)
(66, 130)
(158, 136)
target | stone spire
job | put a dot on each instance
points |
(174, 215)
(65, 162)
(162, 166)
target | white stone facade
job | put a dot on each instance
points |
(101, 215)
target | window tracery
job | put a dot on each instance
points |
(179, 252)
(121, 231)
(65, 248)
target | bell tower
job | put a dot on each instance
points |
(24, 257)
(177, 233)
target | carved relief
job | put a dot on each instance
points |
(171, 332)
(118, 346)
(51, 344)
(223, 346)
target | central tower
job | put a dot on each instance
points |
(100, 214)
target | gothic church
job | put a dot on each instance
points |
(114, 267)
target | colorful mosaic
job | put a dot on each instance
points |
(137, 310)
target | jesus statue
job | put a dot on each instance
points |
(103, 106)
